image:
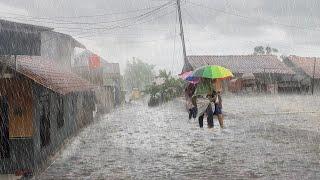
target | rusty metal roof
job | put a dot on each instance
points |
(243, 63)
(306, 64)
(51, 76)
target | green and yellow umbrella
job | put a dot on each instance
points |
(212, 72)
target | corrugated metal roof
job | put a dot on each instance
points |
(243, 63)
(306, 64)
(21, 27)
(48, 74)
(75, 42)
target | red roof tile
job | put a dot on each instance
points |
(243, 63)
(306, 64)
(48, 74)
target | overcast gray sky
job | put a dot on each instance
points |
(120, 29)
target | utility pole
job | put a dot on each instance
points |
(314, 70)
(181, 33)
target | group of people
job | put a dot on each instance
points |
(209, 90)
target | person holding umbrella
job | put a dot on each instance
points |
(209, 75)
(203, 93)
(189, 91)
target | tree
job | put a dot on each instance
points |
(260, 50)
(138, 74)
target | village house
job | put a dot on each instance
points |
(39, 111)
(263, 72)
(42, 101)
(306, 69)
(102, 73)
(59, 47)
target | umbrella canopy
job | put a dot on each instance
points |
(184, 75)
(187, 76)
(212, 72)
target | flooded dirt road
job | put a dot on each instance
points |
(266, 137)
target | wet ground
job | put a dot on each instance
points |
(270, 137)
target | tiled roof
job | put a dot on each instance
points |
(48, 74)
(243, 63)
(306, 64)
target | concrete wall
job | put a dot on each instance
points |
(57, 135)
(21, 156)
(105, 99)
(85, 104)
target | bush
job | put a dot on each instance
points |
(170, 89)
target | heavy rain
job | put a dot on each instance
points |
(159, 89)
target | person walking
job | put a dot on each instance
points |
(216, 94)
(204, 90)
(218, 107)
(191, 106)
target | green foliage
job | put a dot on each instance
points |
(138, 74)
(171, 88)
(260, 50)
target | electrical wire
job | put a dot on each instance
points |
(253, 18)
(119, 26)
(62, 22)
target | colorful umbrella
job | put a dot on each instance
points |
(212, 72)
(187, 76)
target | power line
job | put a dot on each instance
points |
(147, 41)
(253, 18)
(119, 26)
(59, 18)
(129, 25)
(62, 22)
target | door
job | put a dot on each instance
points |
(4, 128)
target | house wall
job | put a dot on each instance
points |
(316, 86)
(86, 105)
(45, 97)
(58, 48)
(27, 151)
(19, 94)
(108, 94)
(105, 99)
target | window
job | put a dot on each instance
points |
(60, 115)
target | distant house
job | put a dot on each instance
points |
(59, 47)
(20, 39)
(98, 71)
(41, 106)
(268, 70)
(305, 68)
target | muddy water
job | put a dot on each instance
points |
(266, 138)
